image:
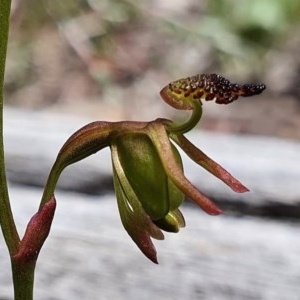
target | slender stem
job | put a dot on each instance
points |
(23, 277)
(6, 218)
(51, 182)
(191, 123)
(23, 273)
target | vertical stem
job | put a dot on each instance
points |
(23, 278)
(6, 218)
(23, 273)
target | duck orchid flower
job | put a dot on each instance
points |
(148, 173)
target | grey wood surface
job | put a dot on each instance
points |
(88, 255)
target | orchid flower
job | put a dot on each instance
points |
(148, 174)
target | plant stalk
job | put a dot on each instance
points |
(22, 273)
(23, 278)
(6, 218)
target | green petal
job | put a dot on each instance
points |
(134, 219)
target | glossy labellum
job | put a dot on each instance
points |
(180, 93)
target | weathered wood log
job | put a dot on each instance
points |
(88, 255)
(269, 167)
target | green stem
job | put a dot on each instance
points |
(51, 182)
(23, 273)
(6, 218)
(23, 278)
(191, 123)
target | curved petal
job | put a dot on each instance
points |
(85, 141)
(160, 139)
(207, 163)
(93, 137)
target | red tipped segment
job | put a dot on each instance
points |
(143, 241)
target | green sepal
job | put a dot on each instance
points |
(134, 219)
(146, 175)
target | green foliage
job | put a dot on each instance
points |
(258, 24)
(124, 41)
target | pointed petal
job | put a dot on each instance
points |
(207, 163)
(163, 146)
(134, 222)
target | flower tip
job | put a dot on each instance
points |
(248, 90)
(240, 189)
(215, 211)
(150, 252)
(155, 260)
(234, 184)
(143, 241)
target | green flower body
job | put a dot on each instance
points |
(147, 177)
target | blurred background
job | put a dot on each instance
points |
(74, 61)
(109, 59)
